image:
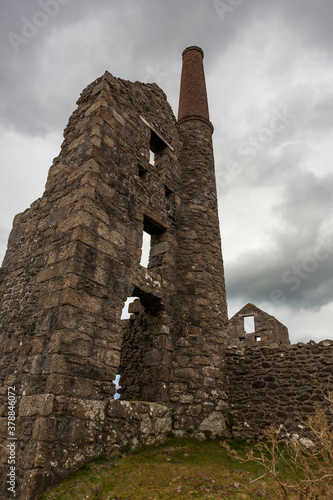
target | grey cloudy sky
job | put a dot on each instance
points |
(269, 70)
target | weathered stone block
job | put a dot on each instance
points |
(50, 300)
(215, 423)
(119, 409)
(87, 409)
(96, 106)
(81, 300)
(186, 373)
(43, 429)
(194, 410)
(58, 364)
(55, 271)
(71, 343)
(41, 404)
(57, 384)
(112, 358)
(3, 428)
(186, 398)
(77, 142)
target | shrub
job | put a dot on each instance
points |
(302, 467)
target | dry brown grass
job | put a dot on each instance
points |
(303, 468)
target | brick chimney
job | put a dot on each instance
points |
(193, 103)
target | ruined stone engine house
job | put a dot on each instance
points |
(128, 167)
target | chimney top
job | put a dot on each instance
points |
(194, 47)
(193, 103)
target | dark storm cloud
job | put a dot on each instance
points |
(311, 18)
(305, 282)
(307, 205)
(142, 39)
(296, 269)
(154, 33)
(291, 264)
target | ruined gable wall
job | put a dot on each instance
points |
(268, 331)
(277, 386)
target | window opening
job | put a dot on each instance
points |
(156, 142)
(249, 324)
(138, 378)
(118, 386)
(127, 311)
(156, 146)
(125, 314)
(241, 338)
(145, 249)
(143, 173)
(151, 157)
(168, 192)
(258, 339)
(153, 244)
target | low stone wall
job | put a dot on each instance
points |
(278, 386)
(96, 428)
(133, 423)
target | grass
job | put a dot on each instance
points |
(178, 469)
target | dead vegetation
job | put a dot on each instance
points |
(302, 468)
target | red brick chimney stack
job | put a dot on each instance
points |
(193, 103)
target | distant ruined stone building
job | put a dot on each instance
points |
(128, 168)
(253, 327)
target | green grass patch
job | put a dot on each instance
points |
(177, 469)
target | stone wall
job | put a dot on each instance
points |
(133, 423)
(277, 386)
(98, 428)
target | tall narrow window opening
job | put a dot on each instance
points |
(138, 347)
(153, 243)
(125, 316)
(156, 146)
(249, 324)
(145, 250)
(143, 173)
(156, 143)
(118, 386)
(151, 157)
(168, 192)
